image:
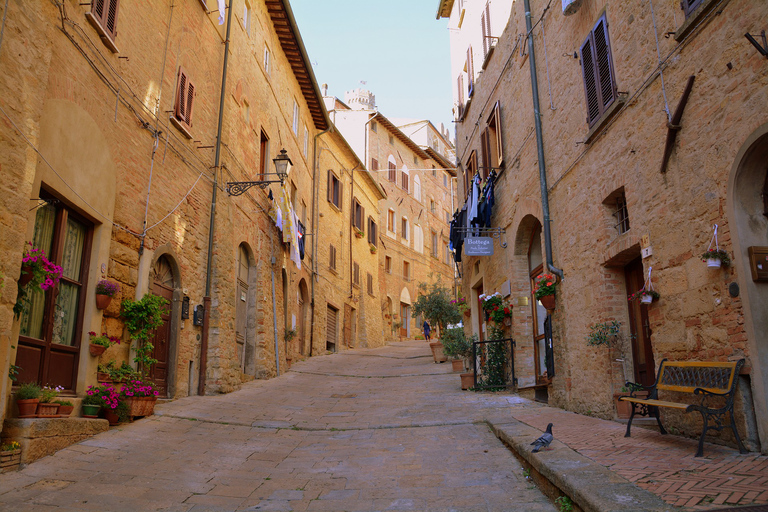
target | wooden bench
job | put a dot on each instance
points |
(716, 382)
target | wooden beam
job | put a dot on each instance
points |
(673, 126)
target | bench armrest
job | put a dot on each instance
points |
(702, 391)
(634, 387)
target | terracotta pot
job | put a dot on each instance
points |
(624, 409)
(96, 350)
(65, 410)
(103, 301)
(458, 365)
(111, 417)
(91, 411)
(508, 321)
(141, 405)
(28, 407)
(467, 380)
(26, 275)
(437, 352)
(548, 301)
(10, 460)
(103, 377)
(47, 410)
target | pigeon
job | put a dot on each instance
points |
(544, 440)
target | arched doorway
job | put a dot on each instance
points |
(405, 313)
(164, 282)
(302, 327)
(748, 213)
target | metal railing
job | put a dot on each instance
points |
(494, 364)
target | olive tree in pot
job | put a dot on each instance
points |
(142, 317)
(457, 347)
(434, 304)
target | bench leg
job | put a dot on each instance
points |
(736, 435)
(662, 431)
(700, 451)
(631, 416)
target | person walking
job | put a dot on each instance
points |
(427, 330)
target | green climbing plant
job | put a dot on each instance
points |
(142, 317)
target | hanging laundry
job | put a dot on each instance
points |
(294, 239)
(222, 10)
(301, 240)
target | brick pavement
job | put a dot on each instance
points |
(664, 465)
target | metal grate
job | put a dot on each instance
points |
(622, 215)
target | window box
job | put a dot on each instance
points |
(694, 15)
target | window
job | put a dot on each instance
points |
(266, 60)
(416, 187)
(185, 96)
(597, 67)
(689, 6)
(247, 17)
(460, 96)
(485, 25)
(355, 274)
(334, 190)
(391, 221)
(295, 118)
(445, 180)
(406, 271)
(447, 217)
(373, 235)
(392, 170)
(621, 214)
(432, 206)
(332, 258)
(103, 17)
(358, 215)
(418, 239)
(470, 66)
(369, 279)
(374, 126)
(415, 160)
(447, 253)
(391, 140)
(434, 244)
(493, 138)
(404, 228)
(471, 170)
(404, 177)
(306, 140)
(434, 172)
(388, 264)
(374, 165)
(263, 156)
(293, 191)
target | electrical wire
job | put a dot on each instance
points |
(660, 68)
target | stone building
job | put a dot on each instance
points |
(127, 132)
(420, 188)
(653, 124)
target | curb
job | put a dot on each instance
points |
(592, 486)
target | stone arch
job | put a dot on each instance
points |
(749, 225)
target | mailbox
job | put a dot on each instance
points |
(185, 308)
(758, 263)
(199, 312)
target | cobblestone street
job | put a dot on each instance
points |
(383, 429)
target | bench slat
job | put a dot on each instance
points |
(657, 403)
(685, 376)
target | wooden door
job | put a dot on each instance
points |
(241, 301)
(480, 314)
(162, 285)
(347, 325)
(640, 331)
(403, 320)
(51, 321)
(330, 328)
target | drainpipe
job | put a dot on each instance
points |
(540, 145)
(209, 267)
(315, 212)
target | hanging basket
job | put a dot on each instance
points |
(96, 350)
(714, 263)
(646, 299)
(26, 275)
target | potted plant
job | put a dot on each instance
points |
(462, 306)
(92, 402)
(141, 396)
(545, 290)
(10, 456)
(623, 408)
(457, 347)
(142, 317)
(27, 398)
(109, 401)
(716, 258)
(359, 233)
(645, 296)
(496, 308)
(36, 270)
(47, 407)
(373, 249)
(65, 408)
(98, 344)
(105, 290)
(110, 372)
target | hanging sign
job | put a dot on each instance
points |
(478, 246)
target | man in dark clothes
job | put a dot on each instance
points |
(427, 330)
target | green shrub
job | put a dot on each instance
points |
(455, 343)
(28, 391)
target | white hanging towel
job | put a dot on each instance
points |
(222, 10)
(295, 256)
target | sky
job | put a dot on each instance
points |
(397, 47)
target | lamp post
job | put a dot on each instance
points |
(281, 161)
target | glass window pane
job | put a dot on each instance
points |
(32, 315)
(541, 316)
(44, 222)
(65, 315)
(72, 257)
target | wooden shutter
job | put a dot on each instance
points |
(332, 256)
(486, 148)
(485, 23)
(330, 186)
(185, 95)
(374, 164)
(470, 73)
(105, 12)
(497, 126)
(460, 83)
(362, 218)
(688, 6)
(330, 326)
(597, 68)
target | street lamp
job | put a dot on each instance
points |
(235, 188)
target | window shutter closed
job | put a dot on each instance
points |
(362, 218)
(604, 64)
(330, 327)
(590, 83)
(597, 67)
(330, 186)
(486, 147)
(485, 22)
(499, 145)
(185, 95)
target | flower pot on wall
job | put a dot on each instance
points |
(10, 460)
(96, 350)
(548, 301)
(26, 275)
(103, 301)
